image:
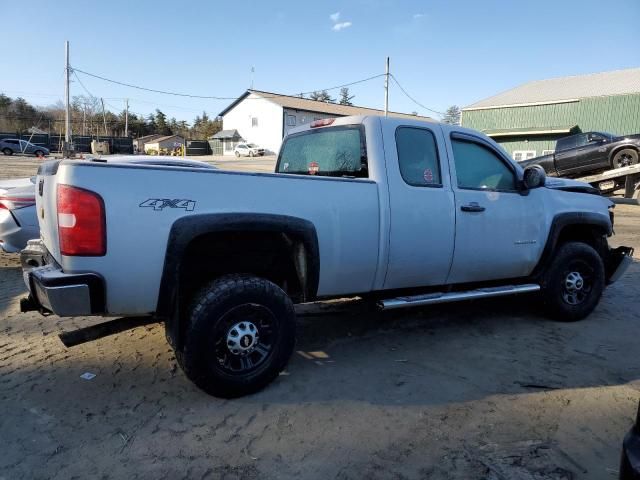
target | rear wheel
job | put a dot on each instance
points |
(7, 151)
(573, 282)
(39, 153)
(241, 334)
(624, 158)
(237, 153)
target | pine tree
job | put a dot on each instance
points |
(345, 98)
(322, 96)
(452, 115)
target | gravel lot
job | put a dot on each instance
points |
(483, 390)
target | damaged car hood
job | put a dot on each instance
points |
(570, 185)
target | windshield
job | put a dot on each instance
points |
(335, 151)
(251, 145)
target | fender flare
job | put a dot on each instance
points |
(186, 229)
(558, 224)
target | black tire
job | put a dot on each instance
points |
(238, 301)
(238, 154)
(39, 153)
(250, 154)
(7, 151)
(569, 297)
(624, 158)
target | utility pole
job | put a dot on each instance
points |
(386, 89)
(253, 71)
(84, 119)
(67, 114)
(126, 118)
(104, 118)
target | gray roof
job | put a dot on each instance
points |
(308, 105)
(166, 137)
(226, 134)
(557, 90)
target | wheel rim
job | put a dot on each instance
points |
(577, 284)
(245, 338)
(624, 159)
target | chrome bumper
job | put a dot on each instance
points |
(53, 291)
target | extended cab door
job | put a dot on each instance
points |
(499, 231)
(422, 215)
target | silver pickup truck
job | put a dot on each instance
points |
(404, 212)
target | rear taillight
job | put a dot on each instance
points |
(13, 203)
(81, 222)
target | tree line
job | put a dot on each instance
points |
(88, 118)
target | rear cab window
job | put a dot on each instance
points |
(338, 151)
(418, 157)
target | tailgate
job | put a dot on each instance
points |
(46, 183)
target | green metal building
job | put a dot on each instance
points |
(527, 120)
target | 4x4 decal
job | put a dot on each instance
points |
(162, 203)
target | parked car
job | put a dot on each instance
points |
(9, 146)
(630, 463)
(404, 212)
(248, 150)
(18, 218)
(584, 153)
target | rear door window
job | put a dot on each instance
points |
(418, 157)
(330, 151)
(567, 143)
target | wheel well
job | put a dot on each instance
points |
(590, 234)
(622, 147)
(278, 257)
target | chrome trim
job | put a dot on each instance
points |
(439, 297)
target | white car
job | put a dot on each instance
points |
(248, 150)
(18, 219)
(403, 212)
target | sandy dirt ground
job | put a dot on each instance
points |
(482, 390)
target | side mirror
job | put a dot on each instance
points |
(534, 177)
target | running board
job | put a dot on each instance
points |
(439, 297)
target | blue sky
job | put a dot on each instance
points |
(442, 52)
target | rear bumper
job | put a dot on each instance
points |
(53, 291)
(619, 259)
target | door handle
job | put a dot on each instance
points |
(472, 207)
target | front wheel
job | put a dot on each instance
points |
(574, 282)
(624, 158)
(39, 153)
(241, 334)
(7, 151)
(237, 154)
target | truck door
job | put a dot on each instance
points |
(498, 230)
(422, 216)
(594, 152)
(565, 154)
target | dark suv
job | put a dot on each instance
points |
(588, 152)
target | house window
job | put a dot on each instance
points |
(254, 121)
(291, 120)
(548, 152)
(520, 155)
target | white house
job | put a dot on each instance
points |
(264, 118)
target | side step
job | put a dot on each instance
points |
(439, 297)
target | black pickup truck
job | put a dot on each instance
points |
(588, 152)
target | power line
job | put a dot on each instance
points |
(411, 98)
(211, 97)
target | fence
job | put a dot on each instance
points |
(82, 143)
